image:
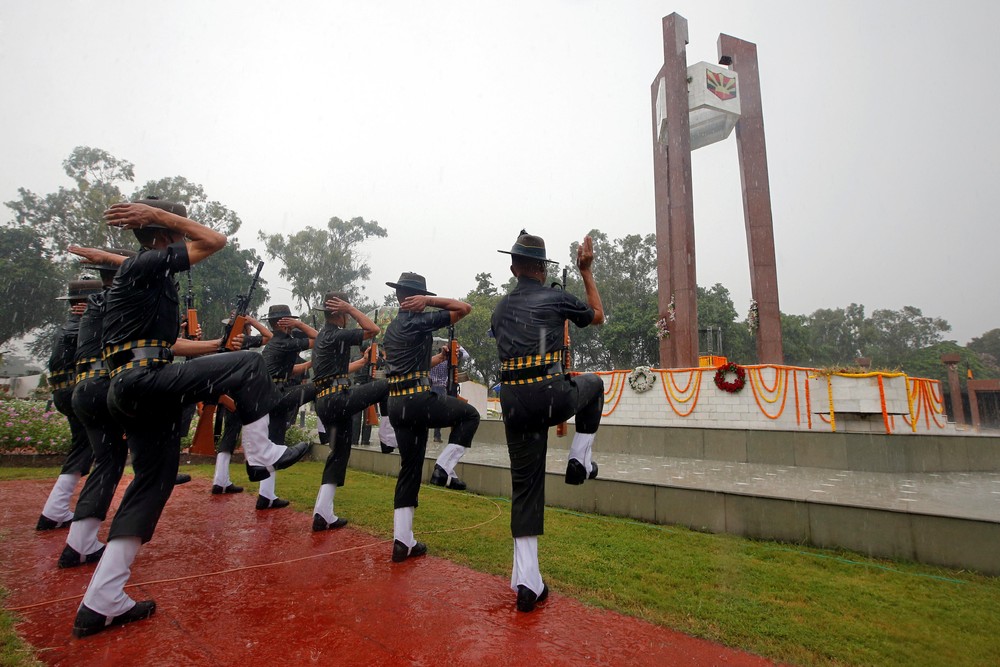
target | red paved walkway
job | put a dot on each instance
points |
(341, 602)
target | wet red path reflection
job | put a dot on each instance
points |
(276, 593)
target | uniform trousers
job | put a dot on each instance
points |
(107, 440)
(80, 455)
(147, 402)
(231, 426)
(337, 411)
(283, 413)
(528, 412)
(411, 416)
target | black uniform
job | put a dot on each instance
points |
(62, 379)
(281, 354)
(536, 393)
(413, 407)
(147, 392)
(337, 400)
(90, 403)
(230, 421)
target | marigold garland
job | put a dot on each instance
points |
(692, 397)
(736, 385)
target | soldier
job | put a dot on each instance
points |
(62, 376)
(286, 370)
(337, 400)
(444, 467)
(147, 392)
(90, 404)
(413, 407)
(537, 393)
(221, 483)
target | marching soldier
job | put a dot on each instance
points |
(62, 377)
(337, 400)
(90, 404)
(286, 371)
(537, 393)
(147, 392)
(413, 407)
(221, 483)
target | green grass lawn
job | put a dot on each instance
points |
(791, 603)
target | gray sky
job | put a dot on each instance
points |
(455, 124)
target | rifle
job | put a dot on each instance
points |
(239, 319)
(371, 412)
(567, 355)
(451, 387)
(192, 314)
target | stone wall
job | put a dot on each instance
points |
(780, 398)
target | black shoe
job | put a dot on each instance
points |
(232, 488)
(386, 449)
(401, 552)
(366, 443)
(593, 470)
(319, 523)
(89, 622)
(575, 472)
(292, 455)
(526, 598)
(182, 478)
(268, 504)
(441, 478)
(45, 523)
(70, 557)
(257, 473)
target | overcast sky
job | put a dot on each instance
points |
(455, 124)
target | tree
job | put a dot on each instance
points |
(625, 273)
(220, 279)
(30, 283)
(716, 311)
(318, 260)
(895, 334)
(987, 347)
(472, 331)
(75, 216)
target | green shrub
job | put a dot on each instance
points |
(26, 427)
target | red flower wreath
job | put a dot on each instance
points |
(736, 385)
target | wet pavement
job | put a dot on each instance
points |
(968, 495)
(233, 584)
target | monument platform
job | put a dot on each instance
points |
(933, 500)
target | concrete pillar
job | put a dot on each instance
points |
(741, 57)
(675, 246)
(954, 386)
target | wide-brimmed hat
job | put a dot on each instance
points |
(413, 282)
(81, 289)
(103, 266)
(331, 295)
(279, 311)
(173, 207)
(532, 247)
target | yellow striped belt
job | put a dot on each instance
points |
(140, 348)
(333, 390)
(531, 369)
(94, 367)
(411, 383)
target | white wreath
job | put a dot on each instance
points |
(641, 379)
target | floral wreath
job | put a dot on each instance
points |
(641, 379)
(736, 385)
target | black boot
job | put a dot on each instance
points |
(526, 598)
(70, 557)
(89, 622)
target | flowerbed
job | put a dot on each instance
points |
(27, 428)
